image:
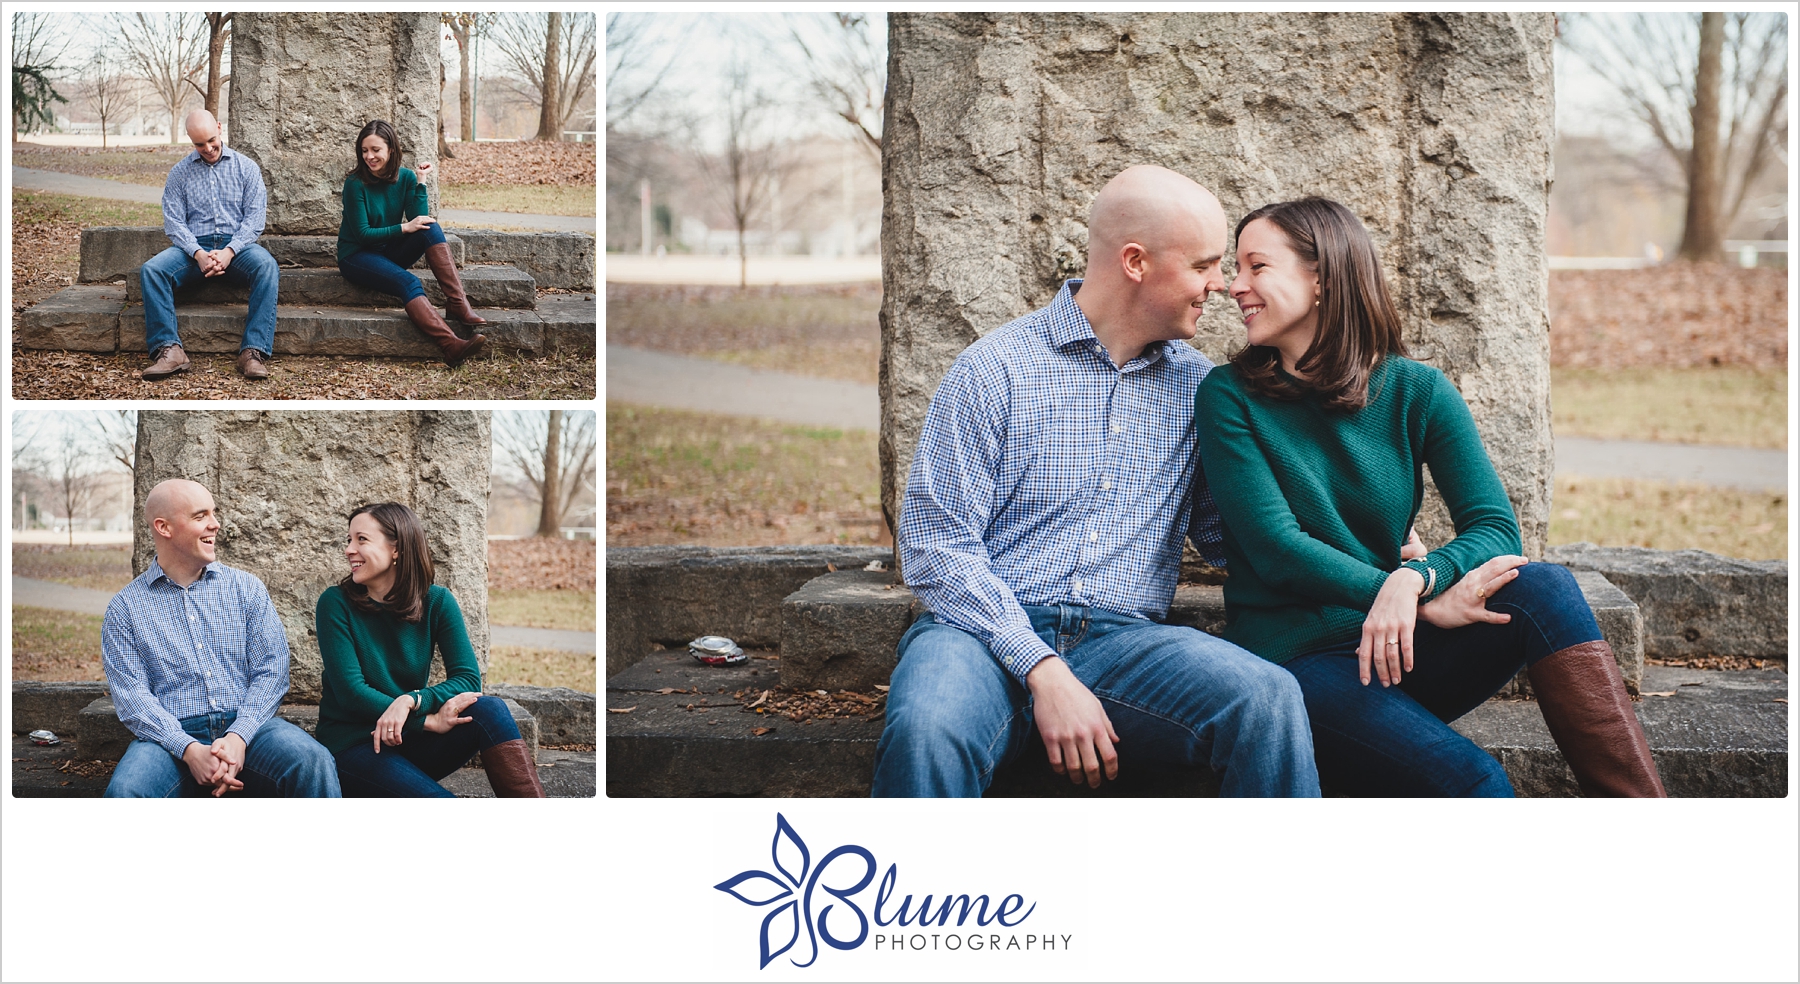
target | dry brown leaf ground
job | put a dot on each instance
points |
(542, 564)
(1677, 314)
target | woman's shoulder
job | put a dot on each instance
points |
(1221, 384)
(333, 598)
(438, 596)
(407, 177)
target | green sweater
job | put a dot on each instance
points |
(1317, 503)
(373, 215)
(371, 658)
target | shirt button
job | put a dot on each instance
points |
(1106, 484)
(209, 674)
(1093, 537)
(1117, 429)
(191, 618)
(1077, 585)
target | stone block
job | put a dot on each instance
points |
(99, 734)
(302, 84)
(284, 481)
(53, 706)
(1695, 603)
(554, 259)
(1201, 606)
(563, 716)
(315, 330)
(111, 253)
(670, 595)
(485, 286)
(1435, 129)
(571, 323)
(841, 631)
(82, 318)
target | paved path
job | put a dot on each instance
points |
(32, 179)
(625, 268)
(681, 382)
(685, 383)
(87, 601)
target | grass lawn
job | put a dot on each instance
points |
(527, 667)
(535, 199)
(1622, 512)
(675, 477)
(53, 645)
(571, 610)
(1720, 405)
(98, 567)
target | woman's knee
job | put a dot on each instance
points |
(434, 234)
(494, 718)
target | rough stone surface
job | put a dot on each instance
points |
(53, 706)
(1199, 605)
(571, 323)
(303, 84)
(670, 595)
(485, 286)
(99, 734)
(1695, 603)
(554, 259)
(331, 330)
(110, 253)
(1434, 128)
(82, 318)
(285, 480)
(564, 716)
(841, 631)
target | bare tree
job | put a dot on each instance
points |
(525, 46)
(37, 47)
(1712, 90)
(629, 80)
(743, 175)
(115, 432)
(69, 465)
(219, 28)
(106, 89)
(846, 69)
(463, 29)
(443, 146)
(167, 52)
(554, 450)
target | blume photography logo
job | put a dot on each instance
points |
(803, 917)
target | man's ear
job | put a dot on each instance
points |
(160, 527)
(1134, 259)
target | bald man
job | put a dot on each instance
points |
(214, 204)
(1042, 526)
(197, 663)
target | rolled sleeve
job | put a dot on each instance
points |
(127, 680)
(267, 661)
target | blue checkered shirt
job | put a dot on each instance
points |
(172, 652)
(1045, 475)
(223, 199)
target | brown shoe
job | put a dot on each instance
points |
(456, 303)
(425, 318)
(511, 771)
(250, 365)
(169, 361)
(1583, 697)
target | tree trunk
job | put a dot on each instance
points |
(215, 53)
(743, 260)
(443, 147)
(1703, 235)
(464, 102)
(549, 127)
(549, 517)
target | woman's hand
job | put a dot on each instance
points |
(450, 715)
(392, 722)
(1466, 602)
(1387, 632)
(413, 225)
(424, 167)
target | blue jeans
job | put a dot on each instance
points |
(1395, 741)
(171, 270)
(413, 767)
(384, 267)
(282, 761)
(1175, 695)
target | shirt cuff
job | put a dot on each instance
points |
(1438, 573)
(243, 730)
(237, 246)
(177, 743)
(1021, 655)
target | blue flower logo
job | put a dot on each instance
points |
(792, 884)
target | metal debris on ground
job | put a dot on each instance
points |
(41, 737)
(716, 651)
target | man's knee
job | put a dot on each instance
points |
(145, 771)
(164, 266)
(257, 264)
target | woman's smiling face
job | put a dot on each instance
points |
(1277, 291)
(374, 153)
(370, 553)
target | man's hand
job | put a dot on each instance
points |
(1077, 734)
(221, 259)
(229, 750)
(209, 770)
(207, 262)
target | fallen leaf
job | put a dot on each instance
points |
(1781, 700)
(621, 710)
(1658, 693)
(830, 567)
(666, 690)
(881, 687)
(761, 700)
(761, 731)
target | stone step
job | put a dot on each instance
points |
(1695, 603)
(111, 253)
(100, 734)
(486, 287)
(52, 706)
(96, 318)
(840, 630)
(1722, 734)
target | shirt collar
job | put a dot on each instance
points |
(194, 155)
(1068, 325)
(155, 572)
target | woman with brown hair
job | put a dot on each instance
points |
(393, 735)
(1313, 441)
(386, 229)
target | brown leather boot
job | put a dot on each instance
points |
(511, 771)
(1583, 697)
(425, 318)
(456, 303)
(169, 361)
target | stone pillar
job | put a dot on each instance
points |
(1435, 129)
(284, 481)
(302, 85)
